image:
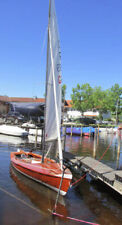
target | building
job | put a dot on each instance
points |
(26, 106)
(35, 107)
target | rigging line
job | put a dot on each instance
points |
(48, 150)
(95, 164)
(55, 207)
(20, 200)
(44, 41)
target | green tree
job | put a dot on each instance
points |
(82, 97)
(63, 92)
(100, 101)
(114, 100)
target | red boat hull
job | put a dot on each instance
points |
(47, 173)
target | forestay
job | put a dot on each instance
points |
(53, 81)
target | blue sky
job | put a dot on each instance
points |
(91, 44)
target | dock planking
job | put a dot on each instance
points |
(97, 170)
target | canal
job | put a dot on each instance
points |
(25, 202)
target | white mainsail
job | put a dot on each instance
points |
(53, 82)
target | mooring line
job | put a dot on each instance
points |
(80, 179)
(74, 219)
(20, 200)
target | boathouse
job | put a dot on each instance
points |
(26, 106)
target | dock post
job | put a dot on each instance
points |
(89, 131)
(36, 137)
(94, 147)
(97, 135)
(95, 132)
(118, 153)
(71, 130)
(42, 138)
(81, 131)
(64, 137)
(98, 129)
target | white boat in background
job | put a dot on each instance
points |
(13, 131)
(112, 130)
(32, 129)
(109, 130)
(28, 125)
(12, 140)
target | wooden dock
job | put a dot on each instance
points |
(96, 169)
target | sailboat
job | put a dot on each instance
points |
(41, 168)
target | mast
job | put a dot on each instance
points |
(43, 141)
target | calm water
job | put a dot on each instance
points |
(24, 202)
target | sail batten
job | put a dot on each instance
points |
(53, 82)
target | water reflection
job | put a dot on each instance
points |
(118, 152)
(107, 209)
(90, 201)
(42, 197)
(95, 147)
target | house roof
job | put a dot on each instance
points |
(68, 103)
(21, 99)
